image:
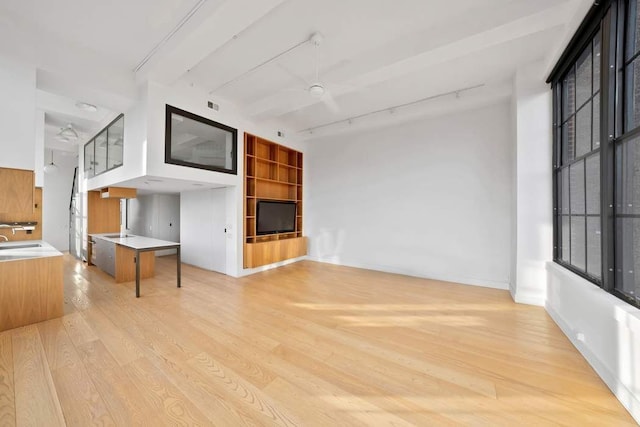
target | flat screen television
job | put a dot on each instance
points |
(275, 217)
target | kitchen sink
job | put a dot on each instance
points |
(32, 245)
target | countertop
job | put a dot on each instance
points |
(26, 249)
(135, 242)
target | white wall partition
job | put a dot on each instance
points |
(533, 241)
(204, 215)
(17, 114)
(429, 198)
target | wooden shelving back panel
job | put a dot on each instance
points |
(271, 172)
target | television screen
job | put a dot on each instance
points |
(275, 217)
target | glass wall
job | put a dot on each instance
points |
(104, 152)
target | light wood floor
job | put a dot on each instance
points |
(306, 344)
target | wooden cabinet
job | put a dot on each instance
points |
(263, 253)
(31, 291)
(271, 172)
(103, 215)
(34, 216)
(16, 191)
(119, 261)
(118, 193)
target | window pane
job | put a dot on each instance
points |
(594, 249)
(199, 142)
(89, 159)
(569, 95)
(596, 62)
(632, 95)
(583, 130)
(566, 232)
(633, 25)
(569, 140)
(628, 262)
(577, 242)
(576, 187)
(101, 153)
(564, 189)
(584, 77)
(596, 122)
(115, 135)
(628, 179)
(593, 184)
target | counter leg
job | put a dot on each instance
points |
(137, 274)
(178, 267)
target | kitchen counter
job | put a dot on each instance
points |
(135, 242)
(127, 257)
(28, 249)
(31, 283)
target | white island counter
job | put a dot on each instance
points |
(127, 257)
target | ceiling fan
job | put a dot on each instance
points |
(316, 88)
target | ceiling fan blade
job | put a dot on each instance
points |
(304, 82)
(330, 102)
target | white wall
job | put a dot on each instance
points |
(603, 328)
(17, 114)
(134, 149)
(56, 195)
(194, 100)
(429, 198)
(533, 217)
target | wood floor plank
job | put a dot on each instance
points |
(123, 348)
(162, 395)
(81, 403)
(126, 404)
(78, 329)
(7, 389)
(37, 402)
(305, 344)
(245, 394)
(57, 345)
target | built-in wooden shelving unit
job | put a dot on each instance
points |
(271, 172)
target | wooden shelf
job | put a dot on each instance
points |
(272, 180)
(271, 172)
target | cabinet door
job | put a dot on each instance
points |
(16, 191)
(98, 251)
(110, 263)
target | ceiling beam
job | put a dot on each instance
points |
(278, 104)
(225, 22)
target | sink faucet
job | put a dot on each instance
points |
(6, 239)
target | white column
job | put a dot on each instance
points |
(533, 185)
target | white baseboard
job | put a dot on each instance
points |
(529, 298)
(407, 272)
(624, 395)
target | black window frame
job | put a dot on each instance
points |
(167, 141)
(608, 17)
(92, 141)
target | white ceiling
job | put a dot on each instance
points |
(376, 54)
(159, 185)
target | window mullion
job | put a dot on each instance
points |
(610, 42)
